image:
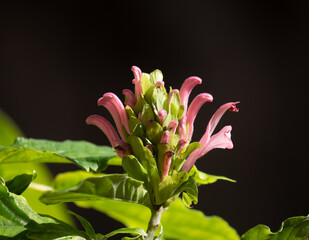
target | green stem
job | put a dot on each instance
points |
(154, 222)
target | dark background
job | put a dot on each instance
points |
(56, 60)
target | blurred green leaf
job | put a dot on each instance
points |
(179, 222)
(113, 186)
(8, 133)
(19, 219)
(294, 228)
(86, 155)
(87, 226)
(20, 183)
(205, 178)
(133, 231)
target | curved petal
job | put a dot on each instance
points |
(166, 163)
(215, 120)
(162, 115)
(117, 110)
(186, 89)
(137, 81)
(105, 126)
(220, 140)
(193, 109)
(131, 97)
(182, 127)
(172, 126)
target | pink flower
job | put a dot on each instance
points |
(137, 81)
(186, 89)
(194, 107)
(162, 115)
(113, 104)
(208, 142)
(172, 126)
(166, 163)
(166, 137)
(182, 127)
(131, 98)
(107, 128)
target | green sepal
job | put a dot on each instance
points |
(20, 183)
(173, 108)
(155, 76)
(154, 132)
(161, 150)
(170, 185)
(129, 111)
(147, 114)
(192, 146)
(189, 192)
(145, 157)
(159, 98)
(139, 105)
(147, 84)
(134, 168)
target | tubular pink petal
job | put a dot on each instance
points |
(182, 130)
(186, 89)
(137, 81)
(150, 148)
(131, 97)
(220, 140)
(172, 126)
(117, 110)
(166, 137)
(193, 109)
(181, 144)
(162, 115)
(214, 121)
(166, 163)
(122, 149)
(105, 126)
(171, 94)
(191, 160)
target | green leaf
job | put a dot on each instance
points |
(113, 186)
(154, 132)
(294, 228)
(20, 183)
(178, 221)
(84, 154)
(18, 219)
(133, 231)
(87, 226)
(205, 178)
(8, 133)
(147, 114)
(169, 186)
(134, 169)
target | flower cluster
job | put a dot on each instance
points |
(162, 121)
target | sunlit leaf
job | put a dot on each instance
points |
(294, 228)
(18, 219)
(86, 155)
(112, 186)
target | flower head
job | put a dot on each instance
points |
(160, 124)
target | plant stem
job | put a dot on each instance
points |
(154, 222)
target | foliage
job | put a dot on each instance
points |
(154, 195)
